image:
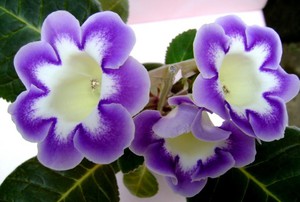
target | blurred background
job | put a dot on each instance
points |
(284, 17)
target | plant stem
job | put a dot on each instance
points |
(164, 76)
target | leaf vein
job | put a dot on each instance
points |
(78, 182)
(20, 19)
(115, 5)
(100, 188)
(48, 189)
(283, 179)
(279, 152)
(259, 184)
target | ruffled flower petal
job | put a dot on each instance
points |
(268, 41)
(270, 126)
(238, 142)
(203, 128)
(103, 136)
(233, 27)
(61, 26)
(178, 154)
(210, 46)
(131, 75)
(288, 85)
(206, 94)
(180, 99)
(107, 39)
(178, 121)
(58, 153)
(143, 131)
(30, 58)
(32, 128)
(215, 166)
(184, 186)
(159, 160)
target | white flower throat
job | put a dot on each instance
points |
(239, 80)
(77, 90)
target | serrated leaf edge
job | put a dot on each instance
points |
(176, 38)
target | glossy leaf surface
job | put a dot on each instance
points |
(31, 181)
(274, 176)
(20, 23)
(140, 182)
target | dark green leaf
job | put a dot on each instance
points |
(274, 176)
(141, 182)
(118, 6)
(87, 182)
(20, 23)
(181, 47)
(129, 161)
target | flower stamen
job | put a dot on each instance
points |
(94, 84)
(225, 90)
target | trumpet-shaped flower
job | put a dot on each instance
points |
(241, 78)
(186, 148)
(82, 89)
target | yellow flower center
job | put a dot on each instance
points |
(190, 149)
(78, 89)
(239, 79)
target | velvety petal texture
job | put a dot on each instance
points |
(241, 79)
(186, 148)
(82, 89)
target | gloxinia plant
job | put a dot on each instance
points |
(82, 89)
(86, 101)
(186, 148)
(241, 78)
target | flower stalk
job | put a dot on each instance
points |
(164, 77)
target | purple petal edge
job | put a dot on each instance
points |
(113, 134)
(117, 37)
(133, 86)
(144, 135)
(206, 94)
(61, 25)
(32, 128)
(58, 154)
(185, 186)
(240, 145)
(209, 39)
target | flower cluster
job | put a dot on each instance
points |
(240, 80)
(83, 88)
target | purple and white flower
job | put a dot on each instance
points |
(241, 78)
(82, 89)
(186, 148)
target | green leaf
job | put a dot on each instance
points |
(118, 6)
(274, 176)
(87, 182)
(129, 161)
(21, 22)
(141, 182)
(181, 47)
